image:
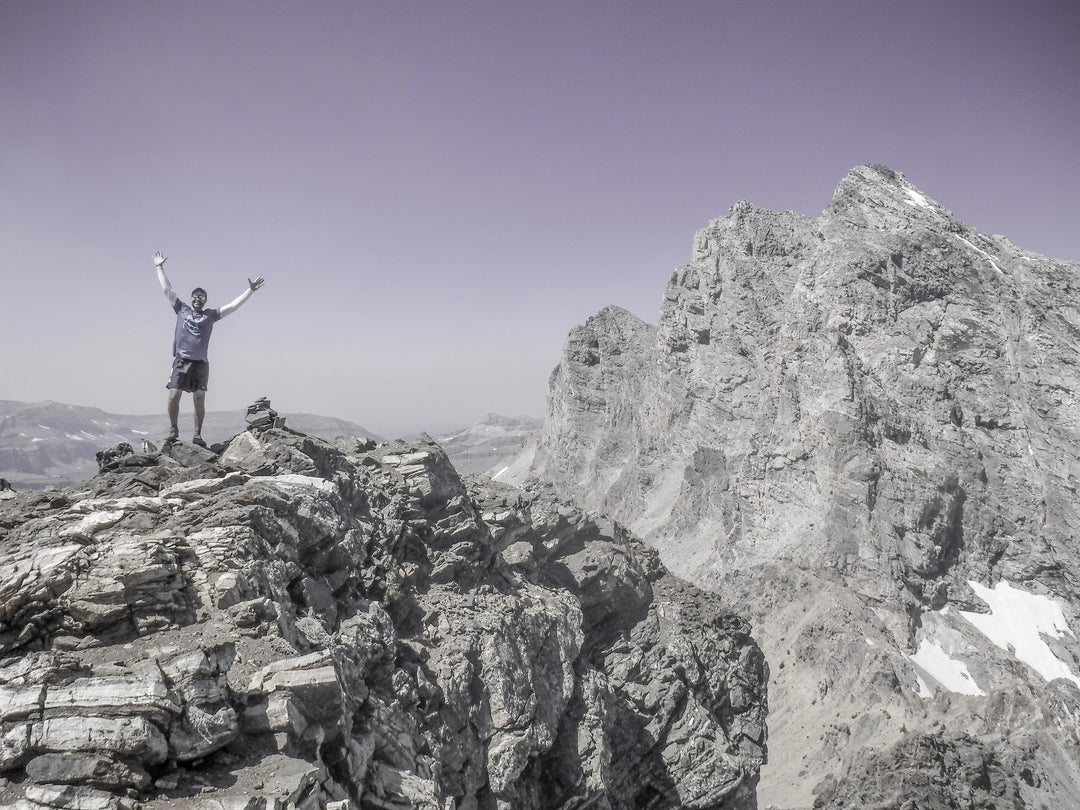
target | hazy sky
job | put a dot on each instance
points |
(436, 192)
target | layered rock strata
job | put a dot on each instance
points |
(300, 624)
(867, 426)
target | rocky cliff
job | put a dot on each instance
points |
(866, 427)
(304, 624)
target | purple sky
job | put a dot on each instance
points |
(436, 192)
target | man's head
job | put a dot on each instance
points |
(198, 299)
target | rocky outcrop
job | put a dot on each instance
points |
(865, 427)
(300, 624)
(53, 444)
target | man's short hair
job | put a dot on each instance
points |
(199, 290)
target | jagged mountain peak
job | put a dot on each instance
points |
(865, 426)
(618, 321)
(615, 315)
(871, 174)
(882, 197)
(871, 195)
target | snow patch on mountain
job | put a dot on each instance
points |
(917, 198)
(1017, 622)
(948, 672)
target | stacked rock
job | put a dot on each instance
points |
(260, 416)
(111, 457)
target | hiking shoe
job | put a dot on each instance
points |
(174, 434)
(197, 439)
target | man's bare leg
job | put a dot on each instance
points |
(174, 413)
(200, 411)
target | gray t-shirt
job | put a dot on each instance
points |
(192, 338)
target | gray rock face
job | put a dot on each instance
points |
(300, 624)
(866, 427)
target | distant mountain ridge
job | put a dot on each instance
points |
(55, 444)
(476, 448)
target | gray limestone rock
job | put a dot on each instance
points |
(95, 770)
(260, 416)
(312, 625)
(112, 457)
(864, 430)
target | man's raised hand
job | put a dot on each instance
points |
(160, 259)
(256, 283)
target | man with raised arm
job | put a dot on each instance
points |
(191, 369)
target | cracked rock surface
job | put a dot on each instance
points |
(864, 429)
(302, 624)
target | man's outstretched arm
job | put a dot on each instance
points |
(159, 264)
(232, 306)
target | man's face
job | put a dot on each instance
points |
(198, 299)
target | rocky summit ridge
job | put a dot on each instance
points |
(298, 623)
(864, 429)
(46, 444)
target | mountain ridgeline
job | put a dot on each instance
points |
(864, 430)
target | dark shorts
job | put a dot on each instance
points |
(189, 375)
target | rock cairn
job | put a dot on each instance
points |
(260, 416)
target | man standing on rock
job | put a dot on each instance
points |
(191, 369)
